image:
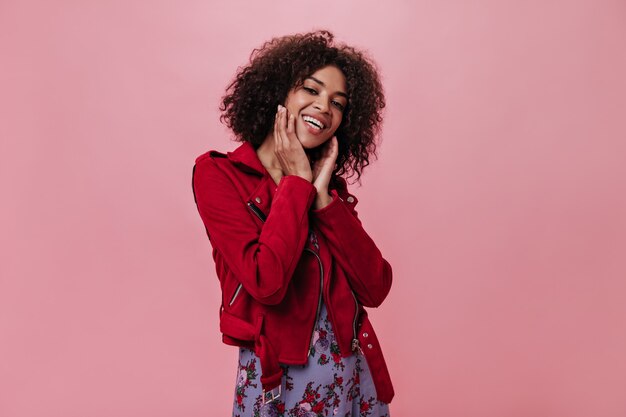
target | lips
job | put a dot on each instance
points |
(311, 128)
(320, 119)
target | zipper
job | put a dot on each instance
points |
(232, 300)
(319, 300)
(355, 339)
(257, 211)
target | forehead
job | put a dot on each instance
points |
(332, 78)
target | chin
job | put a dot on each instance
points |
(313, 144)
(309, 141)
(309, 147)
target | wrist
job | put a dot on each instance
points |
(322, 199)
(307, 175)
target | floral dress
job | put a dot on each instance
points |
(328, 385)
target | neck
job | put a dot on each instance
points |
(266, 154)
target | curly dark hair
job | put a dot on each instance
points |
(249, 106)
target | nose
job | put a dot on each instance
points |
(321, 104)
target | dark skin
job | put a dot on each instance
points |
(284, 151)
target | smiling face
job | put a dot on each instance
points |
(318, 105)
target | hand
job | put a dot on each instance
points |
(287, 146)
(323, 169)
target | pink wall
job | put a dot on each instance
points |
(499, 198)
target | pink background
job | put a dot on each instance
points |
(499, 198)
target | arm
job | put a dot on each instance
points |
(264, 261)
(369, 273)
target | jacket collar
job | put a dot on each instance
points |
(246, 157)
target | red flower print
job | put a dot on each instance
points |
(364, 406)
(318, 407)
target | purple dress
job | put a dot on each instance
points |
(328, 385)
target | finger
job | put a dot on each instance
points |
(279, 144)
(330, 147)
(334, 146)
(288, 135)
(276, 138)
(291, 125)
(282, 124)
(327, 150)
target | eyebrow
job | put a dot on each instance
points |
(339, 93)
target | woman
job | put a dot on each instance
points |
(296, 268)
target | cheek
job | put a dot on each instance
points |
(294, 102)
(290, 104)
(336, 125)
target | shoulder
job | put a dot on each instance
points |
(210, 167)
(212, 154)
(212, 161)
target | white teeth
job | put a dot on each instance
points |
(316, 127)
(317, 123)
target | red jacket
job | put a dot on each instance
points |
(276, 258)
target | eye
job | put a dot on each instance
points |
(310, 90)
(339, 105)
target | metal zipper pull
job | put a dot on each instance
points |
(355, 340)
(257, 211)
(313, 239)
(355, 345)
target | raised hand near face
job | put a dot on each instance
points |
(323, 167)
(287, 147)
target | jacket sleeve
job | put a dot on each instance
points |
(263, 261)
(369, 273)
